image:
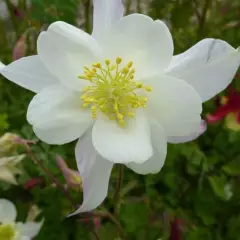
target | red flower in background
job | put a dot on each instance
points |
(229, 110)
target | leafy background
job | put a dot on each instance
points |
(195, 196)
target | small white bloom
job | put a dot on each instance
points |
(121, 91)
(8, 168)
(228, 191)
(8, 143)
(12, 230)
(4, 12)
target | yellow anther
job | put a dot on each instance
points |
(85, 105)
(133, 71)
(89, 74)
(129, 65)
(89, 100)
(118, 60)
(83, 97)
(139, 85)
(97, 65)
(122, 123)
(120, 116)
(113, 91)
(94, 108)
(148, 88)
(107, 61)
(85, 89)
(125, 70)
(131, 114)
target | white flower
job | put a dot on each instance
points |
(4, 12)
(130, 99)
(12, 230)
(8, 168)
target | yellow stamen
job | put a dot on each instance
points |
(118, 60)
(113, 91)
(7, 232)
(148, 88)
(130, 64)
(107, 61)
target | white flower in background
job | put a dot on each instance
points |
(12, 230)
(8, 168)
(4, 13)
(8, 143)
(121, 91)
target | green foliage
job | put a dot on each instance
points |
(199, 182)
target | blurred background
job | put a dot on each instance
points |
(195, 196)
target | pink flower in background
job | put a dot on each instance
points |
(72, 177)
(230, 110)
(19, 50)
(33, 183)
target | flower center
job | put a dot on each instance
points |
(7, 232)
(113, 90)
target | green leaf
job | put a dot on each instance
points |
(3, 122)
(218, 185)
(232, 168)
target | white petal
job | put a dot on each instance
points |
(2, 66)
(30, 229)
(8, 212)
(138, 38)
(209, 66)
(24, 238)
(95, 173)
(30, 73)
(106, 12)
(7, 176)
(175, 105)
(57, 116)
(123, 145)
(65, 50)
(155, 163)
(190, 137)
(4, 12)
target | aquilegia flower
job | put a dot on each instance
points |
(9, 168)
(71, 177)
(230, 111)
(12, 230)
(119, 90)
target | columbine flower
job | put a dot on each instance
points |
(12, 230)
(20, 48)
(120, 90)
(8, 168)
(230, 110)
(8, 143)
(72, 177)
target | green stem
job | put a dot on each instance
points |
(12, 15)
(87, 13)
(51, 176)
(139, 10)
(112, 218)
(117, 195)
